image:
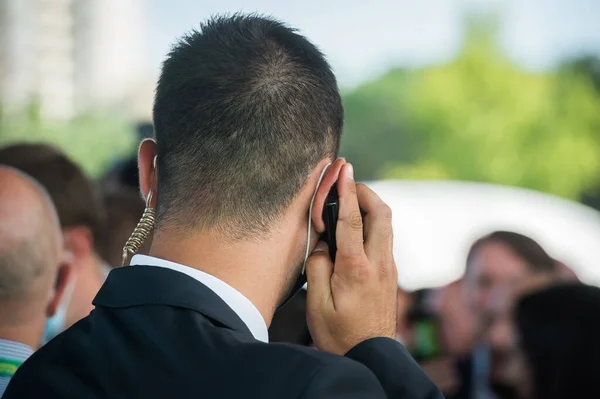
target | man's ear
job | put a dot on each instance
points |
(64, 280)
(79, 243)
(147, 169)
(329, 179)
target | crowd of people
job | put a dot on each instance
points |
(86, 213)
(518, 324)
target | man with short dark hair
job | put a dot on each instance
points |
(33, 275)
(248, 120)
(82, 219)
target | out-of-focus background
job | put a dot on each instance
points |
(437, 91)
(467, 117)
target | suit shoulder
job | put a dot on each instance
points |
(339, 376)
(317, 359)
(298, 360)
(305, 354)
(317, 374)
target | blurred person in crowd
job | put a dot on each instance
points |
(499, 260)
(419, 313)
(441, 335)
(457, 323)
(124, 207)
(248, 119)
(81, 216)
(548, 329)
(501, 336)
(496, 263)
(451, 371)
(558, 330)
(565, 273)
(33, 277)
(289, 323)
(425, 340)
(404, 303)
(124, 174)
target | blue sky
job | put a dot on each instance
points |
(365, 38)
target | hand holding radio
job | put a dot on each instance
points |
(353, 298)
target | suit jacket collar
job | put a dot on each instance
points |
(136, 286)
(240, 304)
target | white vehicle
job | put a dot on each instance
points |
(435, 223)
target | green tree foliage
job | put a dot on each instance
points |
(92, 141)
(478, 118)
(588, 66)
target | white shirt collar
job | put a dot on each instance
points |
(12, 350)
(232, 297)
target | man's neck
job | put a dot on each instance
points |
(252, 268)
(29, 334)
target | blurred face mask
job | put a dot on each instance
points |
(56, 324)
(301, 281)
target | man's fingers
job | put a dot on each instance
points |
(349, 235)
(378, 232)
(319, 269)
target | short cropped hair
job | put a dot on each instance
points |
(245, 108)
(73, 193)
(526, 248)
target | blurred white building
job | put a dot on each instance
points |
(73, 55)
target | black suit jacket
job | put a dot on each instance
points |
(158, 333)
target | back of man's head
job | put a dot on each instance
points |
(245, 108)
(71, 191)
(30, 249)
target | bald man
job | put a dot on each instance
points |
(82, 218)
(32, 273)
